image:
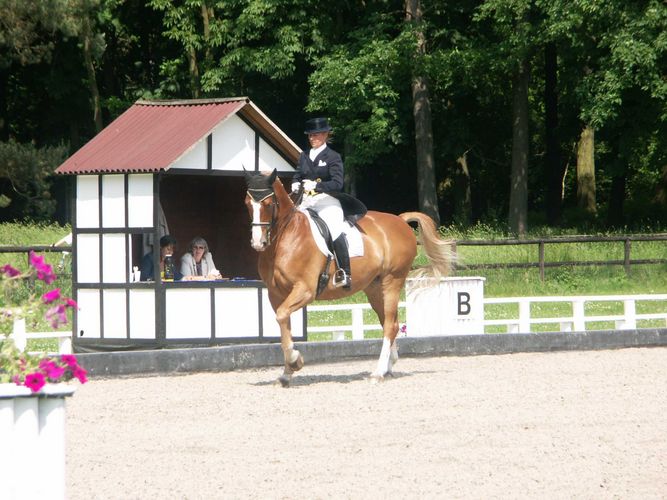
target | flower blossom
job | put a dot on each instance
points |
(10, 271)
(51, 369)
(57, 315)
(44, 270)
(80, 373)
(35, 381)
(69, 360)
(49, 297)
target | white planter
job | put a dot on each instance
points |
(32, 433)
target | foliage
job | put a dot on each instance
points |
(352, 62)
(22, 368)
(25, 178)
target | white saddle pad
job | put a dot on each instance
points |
(354, 242)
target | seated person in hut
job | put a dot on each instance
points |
(197, 263)
(167, 246)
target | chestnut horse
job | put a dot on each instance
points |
(290, 263)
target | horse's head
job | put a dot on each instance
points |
(262, 206)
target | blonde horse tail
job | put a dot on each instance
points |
(438, 251)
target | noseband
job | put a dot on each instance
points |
(258, 196)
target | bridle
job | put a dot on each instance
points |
(258, 196)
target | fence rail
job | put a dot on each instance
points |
(578, 320)
(627, 262)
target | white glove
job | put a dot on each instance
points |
(295, 187)
(309, 185)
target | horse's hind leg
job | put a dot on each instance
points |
(384, 301)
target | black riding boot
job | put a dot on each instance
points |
(343, 277)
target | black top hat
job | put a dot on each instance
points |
(315, 125)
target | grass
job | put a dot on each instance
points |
(570, 280)
(522, 282)
(28, 234)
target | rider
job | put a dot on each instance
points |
(321, 172)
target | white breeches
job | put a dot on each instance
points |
(329, 209)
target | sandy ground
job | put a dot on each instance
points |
(554, 425)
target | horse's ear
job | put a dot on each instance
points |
(272, 177)
(247, 174)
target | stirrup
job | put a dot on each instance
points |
(342, 279)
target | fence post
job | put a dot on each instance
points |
(578, 314)
(18, 334)
(541, 252)
(357, 323)
(524, 316)
(629, 321)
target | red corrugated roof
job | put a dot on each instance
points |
(151, 135)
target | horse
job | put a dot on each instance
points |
(290, 263)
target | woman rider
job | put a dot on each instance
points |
(321, 173)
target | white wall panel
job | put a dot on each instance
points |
(140, 200)
(188, 313)
(88, 315)
(113, 258)
(142, 314)
(236, 312)
(270, 159)
(115, 314)
(88, 258)
(87, 201)
(271, 328)
(193, 159)
(113, 201)
(233, 145)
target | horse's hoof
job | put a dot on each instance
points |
(298, 364)
(376, 379)
(284, 381)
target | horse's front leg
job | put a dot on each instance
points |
(298, 297)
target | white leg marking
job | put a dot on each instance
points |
(383, 361)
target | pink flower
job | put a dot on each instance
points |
(44, 271)
(404, 329)
(69, 360)
(34, 381)
(49, 297)
(51, 369)
(57, 315)
(80, 373)
(71, 303)
(9, 271)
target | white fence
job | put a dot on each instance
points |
(21, 337)
(578, 319)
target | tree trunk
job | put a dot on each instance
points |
(615, 216)
(194, 72)
(555, 171)
(421, 111)
(87, 40)
(518, 213)
(462, 201)
(586, 171)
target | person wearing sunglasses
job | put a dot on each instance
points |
(197, 263)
